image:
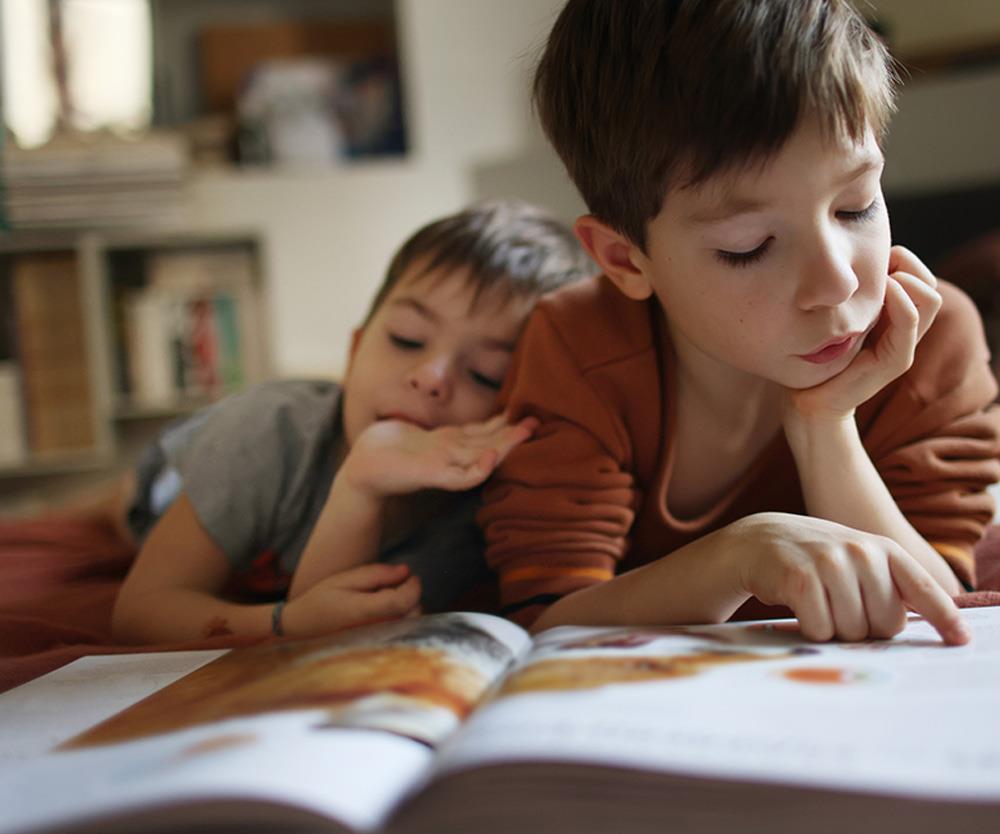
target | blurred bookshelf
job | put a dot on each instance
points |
(104, 328)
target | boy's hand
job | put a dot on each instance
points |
(911, 303)
(839, 582)
(365, 594)
(393, 457)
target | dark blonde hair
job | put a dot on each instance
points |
(508, 248)
(641, 96)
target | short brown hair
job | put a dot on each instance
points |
(507, 245)
(640, 96)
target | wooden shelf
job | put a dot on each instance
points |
(138, 411)
(140, 298)
(62, 463)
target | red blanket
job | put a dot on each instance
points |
(58, 580)
(59, 577)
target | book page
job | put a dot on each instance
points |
(756, 702)
(49, 710)
(339, 726)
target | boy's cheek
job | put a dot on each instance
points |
(879, 329)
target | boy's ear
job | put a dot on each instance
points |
(356, 335)
(615, 254)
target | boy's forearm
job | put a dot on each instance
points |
(840, 483)
(178, 615)
(698, 583)
(346, 535)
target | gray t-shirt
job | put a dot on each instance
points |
(257, 468)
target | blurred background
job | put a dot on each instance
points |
(200, 194)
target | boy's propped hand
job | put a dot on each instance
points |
(365, 594)
(839, 582)
(911, 303)
(393, 457)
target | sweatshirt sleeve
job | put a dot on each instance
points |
(557, 512)
(935, 436)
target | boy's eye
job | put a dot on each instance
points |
(486, 381)
(743, 258)
(405, 344)
(860, 216)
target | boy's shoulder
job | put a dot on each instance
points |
(289, 412)
(597, 323)
(953, 353)
(958, 311)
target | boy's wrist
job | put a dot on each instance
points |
(290, 620)
(354, 494)
(827, 432)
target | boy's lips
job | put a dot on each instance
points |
(833, 349)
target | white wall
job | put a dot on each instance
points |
(329, 233)
(328, 236)
(919, 25)
(945, 132)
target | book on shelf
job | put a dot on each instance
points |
(51, 348)
(192, 330)
(13, 443)
(464, 723)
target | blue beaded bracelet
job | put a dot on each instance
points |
(276, 628)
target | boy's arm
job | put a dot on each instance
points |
(840, 483)
(839, 479)
(810, 565)
(392, 457)
(173, 592)
(346, 534)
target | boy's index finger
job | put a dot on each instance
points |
(902, 259)
(924, 596)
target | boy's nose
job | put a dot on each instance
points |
(432, 378)
(828, 279)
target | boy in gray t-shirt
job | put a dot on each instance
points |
(355, 495)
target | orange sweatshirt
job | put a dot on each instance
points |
(585, 498)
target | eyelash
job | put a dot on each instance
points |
(405, 344)
(860, 216)
(480, 379)
(486, 381)
(742, 259)
(739, 259)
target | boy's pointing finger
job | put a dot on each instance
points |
(924, 596)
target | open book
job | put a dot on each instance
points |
(462, 723)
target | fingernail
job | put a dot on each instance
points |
(961, 632)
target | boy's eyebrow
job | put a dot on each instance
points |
(744, 205)
(427, 313)
(417, 307)
(869, 163)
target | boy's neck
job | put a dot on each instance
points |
(721, 389)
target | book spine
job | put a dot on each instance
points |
(230, 352)
(203, 346)
(13, 443)
(51, 346)
(150, 363)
